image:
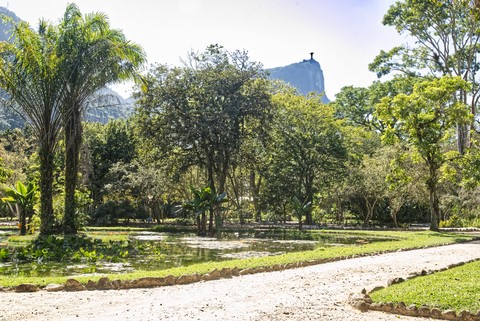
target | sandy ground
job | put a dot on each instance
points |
(312, 293)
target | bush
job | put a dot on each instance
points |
(111, 212)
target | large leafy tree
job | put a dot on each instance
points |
(446, 35)
(104, 146)
(197, 114)
(92, 55)
(29, 74)
(309, 149)
(423, 122)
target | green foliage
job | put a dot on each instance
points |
(308, 147)
(455, 288)
(194, 116)
(205, 200)
(23, 199)
(111, 212)
(92, 55)
(423, 122)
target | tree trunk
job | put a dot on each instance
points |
(462, 138)
(434, 203)
(370, 209)
(73, 139)
(255, 188)
(22, 221)
(211, 184)
(46, 189)
(309, 198)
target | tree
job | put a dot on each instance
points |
(422, 122)
(92, 55)
(104, 146)
(29, 74)
(196, 115)
(309, 149)
(446, 44)
(23, 200)
(204, 200)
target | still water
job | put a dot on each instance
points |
(167, 250)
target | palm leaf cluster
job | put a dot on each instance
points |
(50, 74)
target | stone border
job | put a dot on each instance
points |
(364, 303)
(105, 283)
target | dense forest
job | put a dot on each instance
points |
(216, 141)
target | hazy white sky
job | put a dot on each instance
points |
(344, 34)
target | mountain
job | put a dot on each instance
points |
(5, 27)
(306, 76)
(106, 104)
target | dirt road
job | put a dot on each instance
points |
(311, 293)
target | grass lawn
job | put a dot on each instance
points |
(400, 240)
(457, 289)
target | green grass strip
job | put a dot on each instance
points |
(457, 289)
(402, 240)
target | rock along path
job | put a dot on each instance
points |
(311, 293)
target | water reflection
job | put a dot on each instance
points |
(155, 251)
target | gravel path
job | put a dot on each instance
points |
(311, 293)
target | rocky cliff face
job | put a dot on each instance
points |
(306, 76)
(5, 27)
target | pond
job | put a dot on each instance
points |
(167, 250)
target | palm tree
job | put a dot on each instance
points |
(28, 74)
(92, 56)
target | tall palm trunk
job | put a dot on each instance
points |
(46, 188)
(73, 139)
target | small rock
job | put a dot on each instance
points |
(215, 274)
(206, 277)
(74, 285)
(401, 307)
(395, 281)
(104, 284)
(245, 271)
(169, 280)
(449, 315)
(91, 285)
(412, 310)
(117, 284)
(377, 306)
(27, 287)
(364, 291)
(388, 307)
(54, 287)
(436, 313)
(186, 279)
(424, 311)
(361, 305)
(376, 288)
(465, 316)
(147, 282)
(235, 272)
(225, 272)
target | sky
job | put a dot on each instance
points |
(345, 35)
